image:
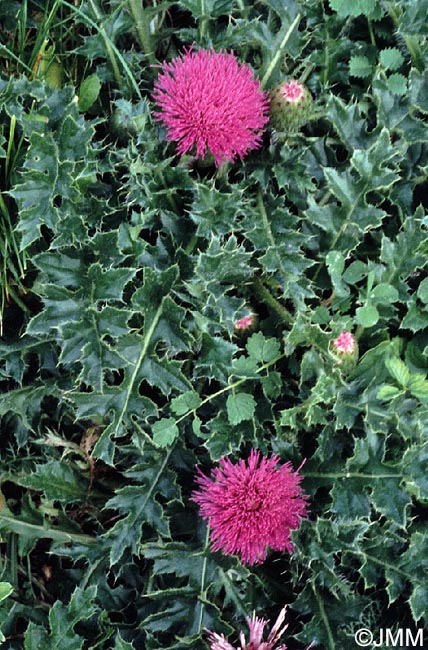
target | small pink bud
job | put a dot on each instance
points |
(345, 343)
(292, 91)
(290, 106)
(244, 323)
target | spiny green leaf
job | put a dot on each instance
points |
(422, 292)
(336, 264)
(58, 481)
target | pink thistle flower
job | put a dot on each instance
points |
(251, 506)
(345, 343)
(244, 323)
(207, 99)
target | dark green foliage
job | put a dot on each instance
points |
(126, 269)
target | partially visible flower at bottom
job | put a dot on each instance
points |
(257, 626)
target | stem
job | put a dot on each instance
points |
(203, 576)
(232, 386)
(385, 565)
(12, 546)
(204, 19)
(169, 191)
(336, 475)
(147, 339)
(109, 49)
(272, 302)
(25, 529)
(142, 22)
(10, 145)
(371, 32)
(324, 619)
(280, 51)
(191, 245)
(260, 288)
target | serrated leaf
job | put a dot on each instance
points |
(387, 392)
(245, 367)
(185, 402)
(165, 432)
(391, 500)
(418, 602)
(360, 66)
(137, 501)
(391, 58)
(262, 349)
(416, 460)
(272, 384)
(418, 386)
(397, 84)
(62, 622)
(398, 369)
(120, 644)
(240, 406)
(355, 8)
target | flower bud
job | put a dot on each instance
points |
(345, 343)
(245, 324)
(290, 107)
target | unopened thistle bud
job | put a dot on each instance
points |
(290, 106)
(345, 349)
(245, 324)
(345, 343)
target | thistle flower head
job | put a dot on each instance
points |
(345, 343)
(251, 506)
(256, 626)
(290, 106)
(208, 100)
